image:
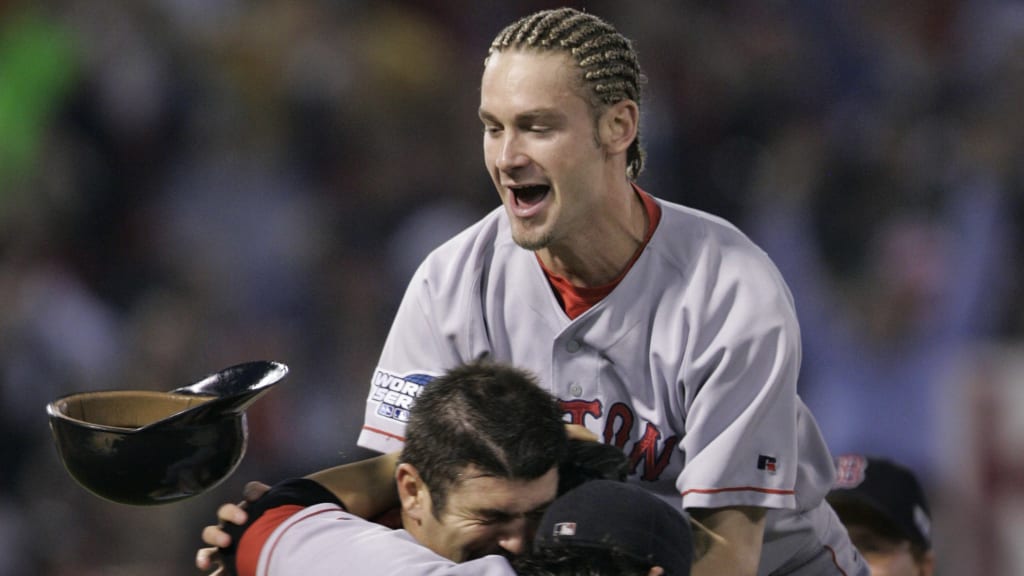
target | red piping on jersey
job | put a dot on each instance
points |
(273, 547)
(247, 557)
(738, 489)
(835, 560)
(383, 433)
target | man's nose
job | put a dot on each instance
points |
(514, 538)
(511, 155)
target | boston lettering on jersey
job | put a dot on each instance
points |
(618, 428)
(395, 395)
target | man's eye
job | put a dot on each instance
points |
(491, 129)
(492, 519)
(540, 129)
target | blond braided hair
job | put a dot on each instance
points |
(607, 62)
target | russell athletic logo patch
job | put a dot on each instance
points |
(766, 463)
(395, 394)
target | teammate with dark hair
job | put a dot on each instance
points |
(477, 471)
(479, 467)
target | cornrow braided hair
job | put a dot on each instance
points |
(608, 64)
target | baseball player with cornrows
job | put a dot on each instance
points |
(661, 329)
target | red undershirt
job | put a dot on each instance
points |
(576, 300)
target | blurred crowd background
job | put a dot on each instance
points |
(190, 184)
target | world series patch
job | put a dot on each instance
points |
(396, 394)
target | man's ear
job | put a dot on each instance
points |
(412, 492)
(619, 125)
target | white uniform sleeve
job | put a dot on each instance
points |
(412, 342)
(741, 442)
(432, 331)
(324, 540)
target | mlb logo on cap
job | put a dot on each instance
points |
(606, 515)
(564, 529)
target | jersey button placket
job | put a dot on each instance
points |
(570, 365)
(573, 346)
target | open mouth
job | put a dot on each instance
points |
(530, 195)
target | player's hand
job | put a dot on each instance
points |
(217, 538)
(206, 559)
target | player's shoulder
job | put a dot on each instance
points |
(483, 232)
(695, 224)
(472, 249)
(688, 233)
(700, 245)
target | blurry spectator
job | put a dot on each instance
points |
(884, 508)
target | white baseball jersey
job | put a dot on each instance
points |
(324, 540)
(689, 365)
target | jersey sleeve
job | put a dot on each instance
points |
(741, 441)
(300, 528)
(424, 340)
(324, 540)
(265, 515)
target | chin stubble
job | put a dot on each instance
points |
(532, 244)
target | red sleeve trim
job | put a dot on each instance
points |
(384, 433)
(836, 560)
(273, 546)
(738, 489)
(247, 558)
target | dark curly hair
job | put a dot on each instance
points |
(485, 414)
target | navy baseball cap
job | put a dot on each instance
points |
(606, 514)
(885, 489)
